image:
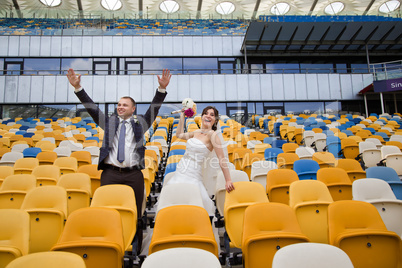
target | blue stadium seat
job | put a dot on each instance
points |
(270, 154)
(31, 152)
(306, 169)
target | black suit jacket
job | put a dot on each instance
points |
(110, 125)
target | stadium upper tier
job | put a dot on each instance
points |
(30, 26)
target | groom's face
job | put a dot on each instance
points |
(125, 108)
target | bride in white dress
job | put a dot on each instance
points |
(200, 144)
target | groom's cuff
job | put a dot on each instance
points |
(162, 90)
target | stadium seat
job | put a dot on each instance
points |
(305, 153)
(259, 171)
(306, 169)
(271, 154)
(286, 160)
(63, 151)
(324, 159)
(14, 233)
(310, 200)
(356, 227)
(14, 188)
(4, 172)
(182, 258)
(245, 194)
(389, 175)
(47, 208)
(8, 159)
(264, 235)
(83, 157)
(369, 154)
(78, 187)
(46, 175)
(46, 158)
(220, 191)
(121, 198)
(337, 181)
(353, 168)
(49, 259)
(311, 255)
(94, 174)
(278, 182)
(379, 193)
(183, 226)
(25, 165)
(96, 235)
(67, 164)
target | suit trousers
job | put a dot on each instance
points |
(135, 180)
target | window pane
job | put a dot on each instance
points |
(13, 68)
(102, 68)
(226, 68)
(304, 107)
(200, 65)
(156, 65)
(333, 107)
(42, 66)
(257, 68)
(316, 68)
(1, 64)
(80, 66)
(359, 68)
(133, 68)
(341, 68)
(275, 68)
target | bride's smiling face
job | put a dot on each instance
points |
(208, 119)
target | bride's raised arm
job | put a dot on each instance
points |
(218, 147)
(180, 128)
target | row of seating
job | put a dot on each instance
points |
(50, 226)
(39, 26)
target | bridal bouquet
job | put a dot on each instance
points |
(190, 107)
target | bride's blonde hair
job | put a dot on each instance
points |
(214, 126)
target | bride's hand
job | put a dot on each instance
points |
(229, 186)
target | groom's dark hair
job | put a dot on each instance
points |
(214, 126)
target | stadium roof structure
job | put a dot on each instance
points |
(190, 9)
(324, 38)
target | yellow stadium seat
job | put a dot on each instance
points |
(337, 181)
(46, 175)
(278, 183)
(244, 195)
(47, 208)
(14, 233)
(119, 197)
(94, 174)
(66, 164)
(25, 165)
(356, 227)
(78, 187)
(310, 200)
(264, 235)
(183, 226)
(49, 259)
(14, 188)
(96, 235)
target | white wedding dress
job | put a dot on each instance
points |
(190, 170)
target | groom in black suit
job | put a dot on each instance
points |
(122, 154)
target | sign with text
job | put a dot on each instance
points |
(388, 85)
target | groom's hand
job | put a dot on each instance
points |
(165, 79)
(74, 80)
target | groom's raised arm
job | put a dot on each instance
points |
(93, 110)
(158, 99)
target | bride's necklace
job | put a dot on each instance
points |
(204, 131)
